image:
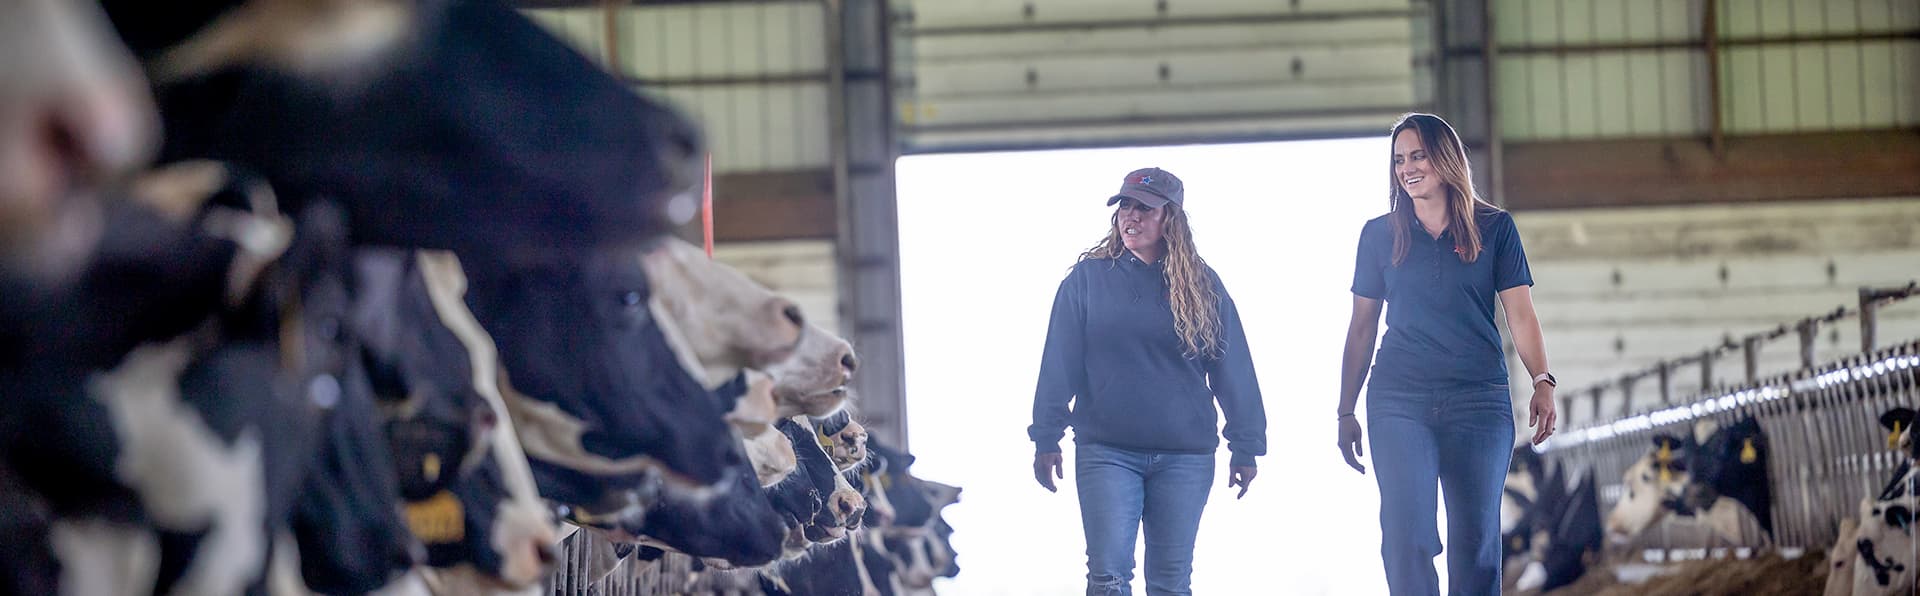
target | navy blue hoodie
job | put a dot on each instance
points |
(1113, 352)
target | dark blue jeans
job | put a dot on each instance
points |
(1119, 490)
(1462, 441)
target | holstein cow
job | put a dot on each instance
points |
(598, 398)
(1718, 476)
(415, 115)
(1730, 463)
(74, 113)
(1576, 539)
(917, 546)
(730, 322)
(174, 466)
(1844, 555)
(1653, 483)
(1885, 544)
(471, 498)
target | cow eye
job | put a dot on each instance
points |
(630, 298)
(1899, 516)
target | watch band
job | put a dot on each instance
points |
(1548, 377)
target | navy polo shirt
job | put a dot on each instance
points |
(1440, 330)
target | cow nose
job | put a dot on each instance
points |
(546, 553)
(849, 362)
(848, 506)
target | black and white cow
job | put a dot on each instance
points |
(1718, 476)
(450, 124)
(1730, 463)
(598, 398)
(471, 499)
(177, 462)
(1885, 544)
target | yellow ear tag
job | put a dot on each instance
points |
(826, 441)
(1663, 457)
(437, 519)
(430, 467)
(1893, 438)
(1748, 453)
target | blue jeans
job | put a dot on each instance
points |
(1464, 442)
(1119, 490)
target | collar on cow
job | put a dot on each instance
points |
(438, 519)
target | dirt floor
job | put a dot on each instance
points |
(1767, 575)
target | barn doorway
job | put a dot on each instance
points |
(985, 239)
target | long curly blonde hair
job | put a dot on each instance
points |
(1196, 309)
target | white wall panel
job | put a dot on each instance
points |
(982, 13)
(1620, 289)
(752, 74)
(803, 271)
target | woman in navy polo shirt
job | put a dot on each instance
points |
(1438, 399)
(1143, 341)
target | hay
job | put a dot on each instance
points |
(1766, 575)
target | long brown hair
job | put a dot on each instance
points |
(1196, 311)
(1449, 158)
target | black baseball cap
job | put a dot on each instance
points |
(1152, 187)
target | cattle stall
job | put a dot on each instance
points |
(1823, 439)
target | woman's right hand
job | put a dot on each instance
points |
(1350, 443)
(1046, 467)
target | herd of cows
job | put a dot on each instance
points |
(376, 296)
(1718, 478)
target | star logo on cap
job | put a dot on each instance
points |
(1144, 179)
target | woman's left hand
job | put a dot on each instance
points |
(1541, 416)
(1241, 476)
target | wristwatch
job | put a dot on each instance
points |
(1548, 377)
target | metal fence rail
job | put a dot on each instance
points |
(1828, 451)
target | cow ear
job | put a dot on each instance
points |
(1667, 441)
(1903, 416)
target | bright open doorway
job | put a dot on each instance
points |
(985, 239)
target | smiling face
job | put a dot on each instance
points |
(1413, 167)
(1141, 228)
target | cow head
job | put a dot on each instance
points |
(598, 398)
(728, 322)
(470, 499)
(74, 112)
(1731, 461)
(1652, 484)
(731, 322)
(1885, 545)
(1576, 538)
(415, 115)
(843, 438)
(818, 503)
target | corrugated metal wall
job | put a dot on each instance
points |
(1024, 73)
(753, 74)
(1574, 69)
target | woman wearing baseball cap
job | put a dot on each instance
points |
(1144, 341)
(1438, 399)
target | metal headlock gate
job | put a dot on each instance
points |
(1828, 451)
(589, 565)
